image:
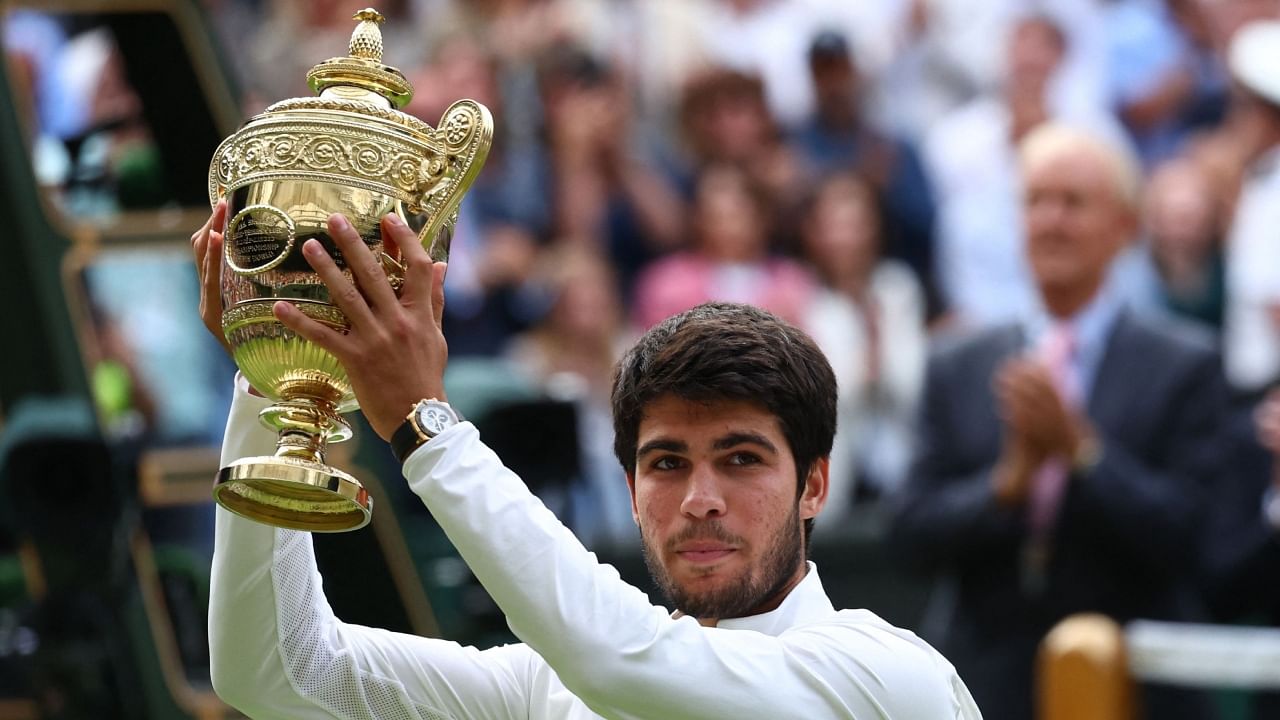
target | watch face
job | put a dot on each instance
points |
(434, 419)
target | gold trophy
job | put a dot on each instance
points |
(350, 150)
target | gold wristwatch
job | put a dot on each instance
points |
(427, 419)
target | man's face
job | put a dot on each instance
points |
(714, 494)
(835, 84)
(1076, 221)
(1035, 51)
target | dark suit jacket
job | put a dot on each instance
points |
(1241, 550)
(1126, 533)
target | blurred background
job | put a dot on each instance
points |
(850, 166)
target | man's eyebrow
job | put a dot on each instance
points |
(738, 438)
(667, 444)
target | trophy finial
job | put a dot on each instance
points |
(361, 75)
(366, 39)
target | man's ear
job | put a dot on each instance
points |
(631, 487)
(814, 496)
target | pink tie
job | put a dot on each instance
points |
(1056, 351)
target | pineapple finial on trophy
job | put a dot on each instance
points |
(361, 74)
(366, 39)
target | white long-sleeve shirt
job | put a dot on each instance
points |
(593, 646)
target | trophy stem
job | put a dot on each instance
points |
(305, 426)
(295, 488)
(298, 444)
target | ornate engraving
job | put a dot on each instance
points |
(260, 311)
(459, 124)
(258, 239)
(470, 124)
(327, 314)
(317, 151)
(352, 106)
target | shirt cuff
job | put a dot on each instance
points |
(437, 441)
(245, 435)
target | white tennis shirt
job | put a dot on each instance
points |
(593, 646)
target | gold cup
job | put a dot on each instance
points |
(349, 150)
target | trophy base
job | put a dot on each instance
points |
(293, 493)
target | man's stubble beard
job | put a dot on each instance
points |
(742, 595)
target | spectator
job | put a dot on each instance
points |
(1061, 461)
(837, 136)
(293, 35)
(1226, 17)
(1242, 542)
(656, 44)
(570, 354)
(946, 53)
(868, 317)
(603, 188)
(1226, 152)
(764, 38)
(506, 213)
(1167, 78)
(1252, 333)
(1184, 243)
(730, 259)
(972, 161)
(724, 119)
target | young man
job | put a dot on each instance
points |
(724, 418)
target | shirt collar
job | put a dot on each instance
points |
(807, 601)
(1091, 328)
(1090, 325)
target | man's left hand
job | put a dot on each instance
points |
(394, 352)
(1035, 408)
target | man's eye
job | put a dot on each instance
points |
(743, 458)
(667, 463)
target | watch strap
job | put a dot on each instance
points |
(406, 438)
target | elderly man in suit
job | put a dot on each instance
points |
(1063, 459)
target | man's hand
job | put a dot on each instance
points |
(394, 352)
(206, 247)
(1266, 421)
(1015, 468)
(1032, 407)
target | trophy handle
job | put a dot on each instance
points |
(465, 133)
(219, 173)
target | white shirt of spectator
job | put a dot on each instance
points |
(1251, 342)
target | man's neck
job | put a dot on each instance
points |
(1066, 303)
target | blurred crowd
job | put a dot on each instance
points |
(1037, 239)
(872, 172)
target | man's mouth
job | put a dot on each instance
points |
(701, 553)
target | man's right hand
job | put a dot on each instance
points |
(1019, 459)
(1266, 421)
(1021, 455)
(206, 247)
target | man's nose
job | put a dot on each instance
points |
(703, 497)
(1046, 213)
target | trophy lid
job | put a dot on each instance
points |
(355, 135)
(361, 75)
